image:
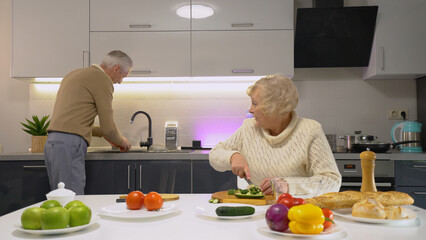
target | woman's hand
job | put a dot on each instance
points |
(266, 187)
(240, 166)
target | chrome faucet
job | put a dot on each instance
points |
(148, 143)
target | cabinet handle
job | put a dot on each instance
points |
(418, 166)
(34, 167)
(140, 177)
(382, 58)
(141, 72)
(85, 58)
(358, 184)
(242, 71)
(242, 25)
(140, 26)
(128, 176)
(419, 193)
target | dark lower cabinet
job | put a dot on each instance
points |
(121, 177)
(163, 176)
(208, 180)
(109, 177)
(410, 177)
(417, 193)
(22, 183)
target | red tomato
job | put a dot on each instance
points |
(284, 195)
(286, 201)
(134, 200)
(153, 201)
(327, 214)
(298, 201)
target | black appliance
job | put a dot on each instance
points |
(351, 172)
(334, 36)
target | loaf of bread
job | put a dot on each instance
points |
(395, 212)
(371, 208)
(346, 199)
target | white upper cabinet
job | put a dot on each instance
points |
(49, 38)
(399, 48)
(242, 53)
(137, 15)
(242, 37)
(246, 15)
(154, 54)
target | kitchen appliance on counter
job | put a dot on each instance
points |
(408, 135)
(171, 135)
(349, 140)
(331, 138)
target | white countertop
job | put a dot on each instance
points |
(186, 224)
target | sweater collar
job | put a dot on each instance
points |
(96, 65)
(274, 140)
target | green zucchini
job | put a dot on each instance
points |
(248, 195)
(234, 211)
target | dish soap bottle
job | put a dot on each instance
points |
(367, 164)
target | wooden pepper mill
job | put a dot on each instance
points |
(367, 164)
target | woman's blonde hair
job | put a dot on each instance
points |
(277, 92)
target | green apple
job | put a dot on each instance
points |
(74, 203)
(50, 204)
(55, 218)
(80, 215)
(31, 218)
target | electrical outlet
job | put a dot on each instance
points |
(395, 114)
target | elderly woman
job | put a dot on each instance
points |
(276, 142)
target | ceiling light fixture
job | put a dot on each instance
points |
(198, 11)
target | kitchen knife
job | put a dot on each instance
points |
(248, 181)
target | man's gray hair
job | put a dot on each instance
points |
(117, 57)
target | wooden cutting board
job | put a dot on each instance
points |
(166, 197)
(225, 198)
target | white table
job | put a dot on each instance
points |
(185, 224)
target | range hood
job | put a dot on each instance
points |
(334, 36)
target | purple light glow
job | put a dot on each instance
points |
(213, 131)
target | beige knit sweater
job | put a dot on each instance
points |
(301, 150)
(84, 94)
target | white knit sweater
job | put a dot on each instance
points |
(301, 150)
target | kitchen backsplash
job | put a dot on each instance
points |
(338, 98)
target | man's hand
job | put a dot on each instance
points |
(266, 187)
(125, 146)
(240, 166)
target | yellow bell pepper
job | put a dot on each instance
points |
(306, 219)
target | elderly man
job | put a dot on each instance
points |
(83, 94)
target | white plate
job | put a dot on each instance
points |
(347, 213)
(210, 210)
(120, 211)
(329, 233)
(57, 231)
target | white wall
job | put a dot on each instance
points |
(14, 94)
(338, 98)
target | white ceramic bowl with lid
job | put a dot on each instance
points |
(62, 195)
